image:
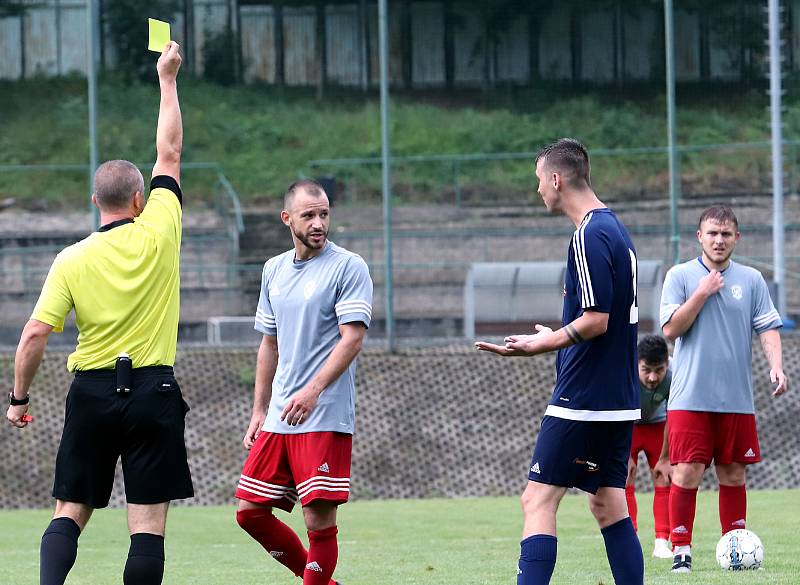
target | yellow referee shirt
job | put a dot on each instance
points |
(124, 284)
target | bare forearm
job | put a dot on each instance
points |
(27, 361)
(683, 318)
(582, 329)
(266, 365)
(771, 344)
(169, 135)
(340, 359)
(665, 444)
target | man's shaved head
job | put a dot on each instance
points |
(307, 186)
(115, 183)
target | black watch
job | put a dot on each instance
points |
(15, 402)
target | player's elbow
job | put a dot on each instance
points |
(670, 332)
(169, 153)
(35, 332)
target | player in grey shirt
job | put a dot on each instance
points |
(710, 306)
(314, 308)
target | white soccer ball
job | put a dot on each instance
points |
(740, 550)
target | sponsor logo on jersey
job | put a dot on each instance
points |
(324, 468)
(314, 566)
(680, 530)
(750, 453)
(736, 291)
(535, 468)
(310, 287)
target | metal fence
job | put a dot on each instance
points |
(433, 43)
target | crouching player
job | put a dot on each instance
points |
(650, 436)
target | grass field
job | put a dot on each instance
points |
(436, 542)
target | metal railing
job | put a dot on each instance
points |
(457, 172)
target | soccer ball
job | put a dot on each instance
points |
(740, 550)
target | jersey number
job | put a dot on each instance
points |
(634, 318)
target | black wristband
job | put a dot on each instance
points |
(15, 402)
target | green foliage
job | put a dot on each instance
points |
(471, 541)
(265, 136)
(128, 31)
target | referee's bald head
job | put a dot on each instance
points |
(115, 184)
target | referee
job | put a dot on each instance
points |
(123, 283)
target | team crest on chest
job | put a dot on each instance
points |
(736, 291)
(309, 289)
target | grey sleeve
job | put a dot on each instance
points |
(765, 317)
(354, 299)
(673, 295)
(265, 317)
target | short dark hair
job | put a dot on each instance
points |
(115, 182)
(569, 158)
(719, 214)
(653, 350)
(311, 187)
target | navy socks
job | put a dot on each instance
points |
(537, 559)
(58, 551)
(624, 553)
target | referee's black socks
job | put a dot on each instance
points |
(58, 551)
(145, 564)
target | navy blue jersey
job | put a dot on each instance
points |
(597, 380)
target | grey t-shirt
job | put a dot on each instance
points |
(711, 366)
(303, 304)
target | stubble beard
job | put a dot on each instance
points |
(309, 243)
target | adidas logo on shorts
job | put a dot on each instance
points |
(750, 453)
(324, 468)
(314, 566)
(535, 468)
(276, 553)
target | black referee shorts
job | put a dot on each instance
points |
(144, 427)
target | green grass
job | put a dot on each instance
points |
(435, 542)
(263, 137)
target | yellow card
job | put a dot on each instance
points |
(159, 34)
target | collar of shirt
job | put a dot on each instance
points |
(113, 224)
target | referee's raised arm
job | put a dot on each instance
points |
(169, 134)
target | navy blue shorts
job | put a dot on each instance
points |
(584, 454)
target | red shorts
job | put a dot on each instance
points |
(282, 469)
(648, 437)
(724, 437)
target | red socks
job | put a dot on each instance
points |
(732, 507)
(630, 497)
(661, 511)
(315, 565)
(277, 538)
(682, 506)
(323, 551)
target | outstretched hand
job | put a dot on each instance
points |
(169, 62)
(516, 345)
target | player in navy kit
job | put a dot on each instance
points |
(585, 437)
